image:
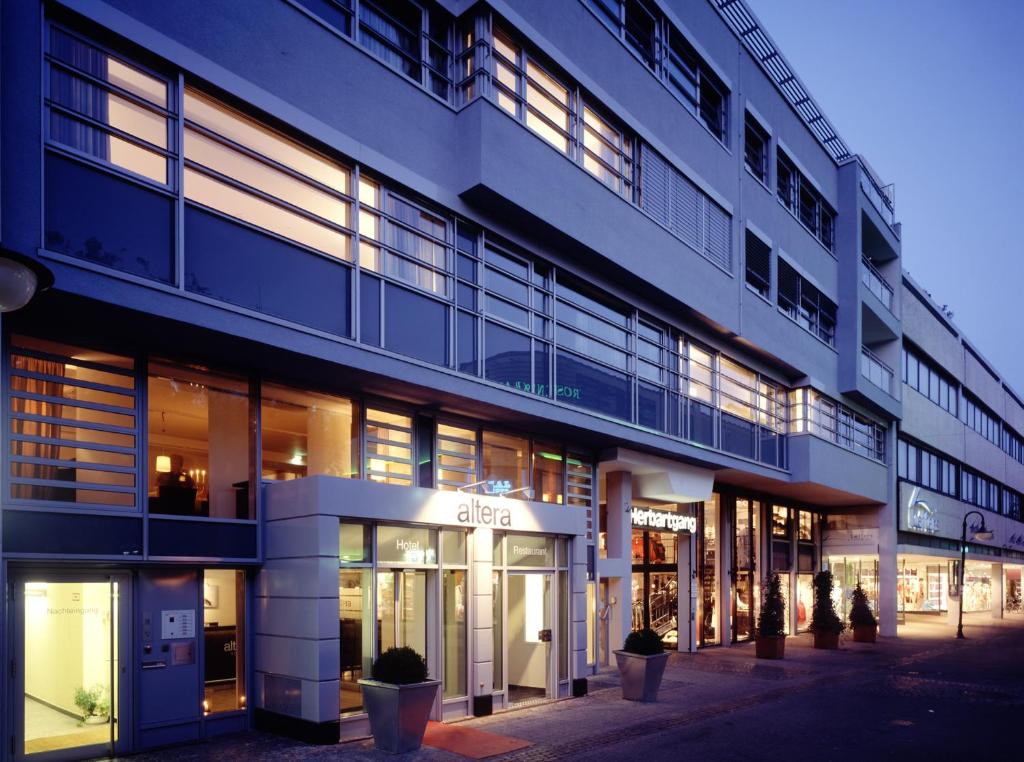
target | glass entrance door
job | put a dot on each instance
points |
(402, 609)
(529, 636)
(71, 673)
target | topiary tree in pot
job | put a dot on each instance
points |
(398, 700)
(770, 637)
(825, 622)
(863, 621)
(641, 665)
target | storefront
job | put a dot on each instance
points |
(660, 533)
(491, 590)
(1013, 576)
(847, 573)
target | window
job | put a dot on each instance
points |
(755, 148)
(506, 463)
(979, 490)
(306, 434)
(759, 265)
(1013, 444)
(607, 153)
(388, 447)
(74, 427)
(811, 412)
(805, 304)
(677, 204)
(798, 195)
(238, 167)
(782, 527)
(224, 639)
(456, 449)
(1012, 503)
(928, 469)
(108, 128)
(922, 375)
(979, 418)
(199, 445)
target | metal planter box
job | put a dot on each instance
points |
(398, 713)
(641, 675)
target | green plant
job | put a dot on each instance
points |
(400, 666)
(860, 611)
(94, 702)
(825, 619)
(771, 622)
(645, 642)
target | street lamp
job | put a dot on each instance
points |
(21, 278)
(982, 534)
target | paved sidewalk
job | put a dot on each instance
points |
(697, 688)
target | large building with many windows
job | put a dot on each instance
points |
(495, 329)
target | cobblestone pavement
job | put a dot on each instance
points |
(923, 695)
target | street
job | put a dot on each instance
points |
(922, 696)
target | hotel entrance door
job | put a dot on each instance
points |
(70, 676)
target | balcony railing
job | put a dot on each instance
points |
(811, 412)
(883, 198)
(876, 371)
(876, 284)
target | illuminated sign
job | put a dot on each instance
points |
(674, 522)
(476, 512)
(920, 516)
(498, 486)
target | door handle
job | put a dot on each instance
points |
(154, 664)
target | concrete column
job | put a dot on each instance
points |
(686, 618)
(482, 638)
(618, 499)
(578, 613)
(724, 530)
(887, 540)
(997, 591)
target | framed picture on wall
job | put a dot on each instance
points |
(211, 595)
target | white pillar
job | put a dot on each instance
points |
(997, 591)
(618, 499)
(482, 674)
(686, 618)
(724, 530)
(887, 598)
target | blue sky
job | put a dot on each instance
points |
(931, 92)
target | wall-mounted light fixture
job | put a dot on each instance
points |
(21, 278)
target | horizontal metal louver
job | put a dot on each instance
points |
(789, 286)
(759, 264)
(669, 197)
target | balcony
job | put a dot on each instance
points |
(875, 283)
(883, 198)
(876, 371)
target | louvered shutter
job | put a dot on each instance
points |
(759, 264)
(718, 236)
(655, 189)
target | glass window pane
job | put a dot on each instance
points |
(548, 473)
(455, 653)
(198, 443)
(305, 434)
(530, 550)
(355, 600)
(406, 545)
(224, 640)
(505, 462)
(354, 542)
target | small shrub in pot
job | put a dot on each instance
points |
(825, 622)
(641, 665)
(398, 700)
(770, 637)
(863, 621)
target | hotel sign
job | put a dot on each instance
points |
(647, 518)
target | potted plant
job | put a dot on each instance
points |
(864, 624)
(94, 703)
(770, 637)
(825, 622)
(398, 700)
(641, 665)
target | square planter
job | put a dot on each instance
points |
(398, 713)
(770, 647)
(864, 633)
(826, 640)
(641, 675)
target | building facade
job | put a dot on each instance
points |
(495, 329)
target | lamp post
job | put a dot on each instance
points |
(982, 534)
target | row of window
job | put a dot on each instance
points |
(804, 200)
(75, 434)
(922, 375)
(936, 472)
(266, 217)
(805, 304)
(813, 413)
(665, 51)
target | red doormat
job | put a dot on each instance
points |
(470, 742)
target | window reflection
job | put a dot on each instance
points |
(505, 462)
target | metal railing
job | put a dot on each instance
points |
(876, 284)
(882, 197)
(876, 371)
